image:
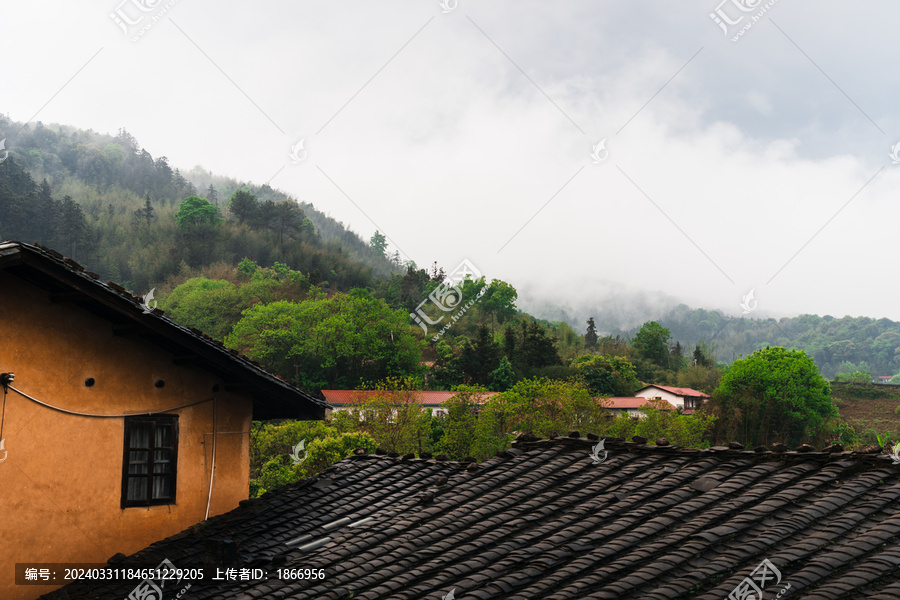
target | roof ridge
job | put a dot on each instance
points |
(574, 440)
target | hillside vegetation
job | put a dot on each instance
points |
(838, 345)
(136, 220)
(109, 204)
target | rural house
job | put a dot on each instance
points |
(555, 520)
(684, 398)
(631, 405)
(118, 427)
(347, 399)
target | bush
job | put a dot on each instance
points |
(271, 446)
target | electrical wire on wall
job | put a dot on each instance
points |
(5, 380)
(98, 416)
(212, 469)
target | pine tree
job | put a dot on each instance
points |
(591, 337)
(212, 195)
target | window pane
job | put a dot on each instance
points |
(137, 488)
(140, 435)
(163, 436)
(162, 487)
(138, 462)
(162, 461)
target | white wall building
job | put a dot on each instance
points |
(683, 398)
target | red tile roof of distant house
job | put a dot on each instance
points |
(678, 391)
(623, 402)
(424, 397)
(885, 377)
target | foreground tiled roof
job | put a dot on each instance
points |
(547, 521)
(678, 391)
(433, 398)
(273, 397)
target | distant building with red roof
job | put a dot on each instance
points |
(346, 399)
(683, 398)
(630, 405)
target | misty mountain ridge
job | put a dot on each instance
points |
(106, 202)
(838, 345)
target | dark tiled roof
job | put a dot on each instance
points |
(66, 280)
(544, 521)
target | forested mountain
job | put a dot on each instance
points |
(838, 345)
(133, 219)
(109, 204)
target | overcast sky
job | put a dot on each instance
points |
(466, 131)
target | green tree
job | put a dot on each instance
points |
(652, 343)
(147, 213)
(391, 413)
(503, 377)
(607, 375)
(244, 206)
(197, 214)
(676, 357)
(330, 343)
(855, 377)
(703, 355)
(198, 224)
(590, 336)
(378, 243)
(287, 217)
(445, 373)
(458, 440)
(698, 377)
(271, 446)
(499, 301)
(544, 406)
(773, 395)
(214, 306)
(537, 349)
(479, 360)
(212, 195)
(72, 229)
